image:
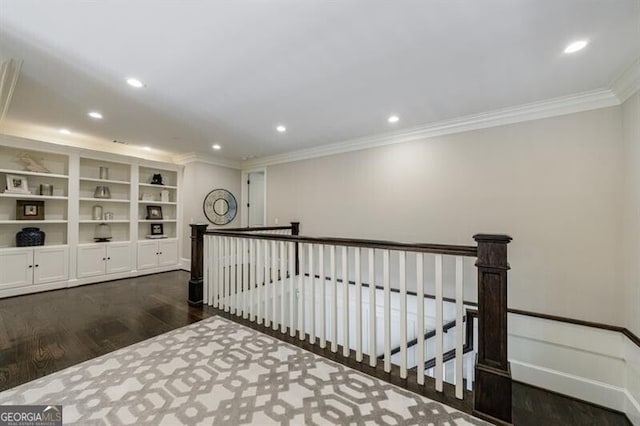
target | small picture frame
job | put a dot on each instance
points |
(17, 184)
(154, 212)
(29, 210)
(157, 229)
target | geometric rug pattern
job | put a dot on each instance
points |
(219, 372)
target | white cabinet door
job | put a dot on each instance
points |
(118, 257)
(50, 264)
(16, 268)
(168, 250)
(91, 260)
(147, 254)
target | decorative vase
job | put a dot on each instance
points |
(102, 192)
(157, 179)
(97, 212)
(30, 237)
(46, 189)
(104, 173)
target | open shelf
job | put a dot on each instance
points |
(104, 200)
(105, 181)
(33, 196)
(170, 203)
(150, 185)
(105, 221)
(157, 220)
(31, 222)
(27, 173)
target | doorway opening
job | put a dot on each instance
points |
(254, 185)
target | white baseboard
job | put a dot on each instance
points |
(578, 387)
(185, 264)
(592, 364)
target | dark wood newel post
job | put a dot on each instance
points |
(295, 230)
(197, 259)
(492, 393)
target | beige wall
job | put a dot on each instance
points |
(200, 178)
(631, 126)
(555, 185)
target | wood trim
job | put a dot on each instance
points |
(454, 250)
(634, 339)
(249, 229)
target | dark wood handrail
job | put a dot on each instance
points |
(454, 250)
(250, 229)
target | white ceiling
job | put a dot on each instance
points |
(229, 71)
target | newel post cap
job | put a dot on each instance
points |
(492, 238)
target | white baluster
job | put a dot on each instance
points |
(267, 282)
(358, 290)
(334, 302)
(245, 278)
(227, 275)
(252, 279)
(275, 283)
(239, 277)
(387, 311)
(403, 313)
(312, 308)
(420, 312)
(259, 280)
(459, 327)
(213, 288)
(283, 293)
(206, 268)
(323, 298)
(220, 257)
(345, 302)
(302, 323)
(233, 282)
(292, 290)
(373, 358)
(439, 344)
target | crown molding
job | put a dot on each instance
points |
(533, 111)
(9, 73)
(628, 82)
(192, 157)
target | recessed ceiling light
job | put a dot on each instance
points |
(575, 46)
(393, 119)
(134, 82)
(65, 131)
(216, 147)
(146, 148)
(95, 114)
(281, 128)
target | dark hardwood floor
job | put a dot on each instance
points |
(46, 332)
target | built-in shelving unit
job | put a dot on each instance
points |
(163, 196)
(14, 163)
(71, 256)
(116, 178)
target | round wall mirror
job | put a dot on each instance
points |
(220, 207)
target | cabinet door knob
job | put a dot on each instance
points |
(108, 258)
(160, 252)
(30, 266)
(37, 266)
(104, 258)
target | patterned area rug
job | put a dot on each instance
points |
(219, 372)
